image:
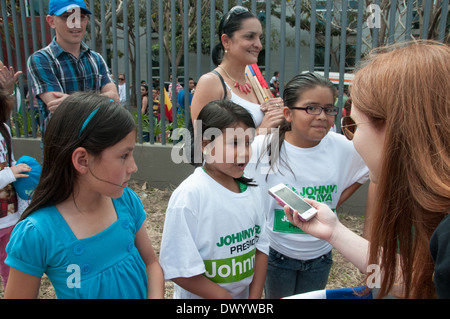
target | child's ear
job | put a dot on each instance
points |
(80, 160)
(287, 112)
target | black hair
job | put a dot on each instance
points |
(222, 114)
(291, 94)
(86, 120)
(230, 23)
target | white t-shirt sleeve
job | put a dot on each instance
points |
(179, 255)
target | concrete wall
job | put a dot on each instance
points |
(154, 162)
(159, 171)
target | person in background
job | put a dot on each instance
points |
(122, 89)
(9, 173)
(144, 97)
(239, 45)
(67, 64)
(181, 97)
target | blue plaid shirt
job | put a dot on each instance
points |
(52, 69)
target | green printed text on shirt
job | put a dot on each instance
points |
(230, 269)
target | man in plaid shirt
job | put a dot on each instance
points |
(67, 65)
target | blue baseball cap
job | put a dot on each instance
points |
(25, 185)
(58, 7)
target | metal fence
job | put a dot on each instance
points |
(151, 40)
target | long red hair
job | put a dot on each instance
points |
(406, 88)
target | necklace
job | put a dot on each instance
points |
(244, 88)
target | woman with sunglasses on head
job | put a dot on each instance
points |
(315, 163)
(239, 44)
(401, 107)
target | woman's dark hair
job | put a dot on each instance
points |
(5, 113)
(145, 86)
(291, 94)
(222, 114)
(230, 23)
(86, 120)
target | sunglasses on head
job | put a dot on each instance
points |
(236, 10)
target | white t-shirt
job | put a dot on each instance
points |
(322, 173)
(213, 231)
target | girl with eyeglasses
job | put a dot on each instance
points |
(401, 106)
(240, 34)
(313, 162)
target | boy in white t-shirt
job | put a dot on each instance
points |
(314, 163)
(214, 243)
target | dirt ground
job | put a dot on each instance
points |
(343, 273)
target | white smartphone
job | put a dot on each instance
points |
(285, 196)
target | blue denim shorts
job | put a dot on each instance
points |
(287, 276)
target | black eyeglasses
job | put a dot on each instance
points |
(236, 10)
(348, 127)
(317, 109)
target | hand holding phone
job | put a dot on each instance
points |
(285, 196)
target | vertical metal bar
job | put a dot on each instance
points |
(173, 18)
(92, 25)
(33, 25)
(7, 35)
(115, 61)
(392, 13)
(126, 54)
(282, 45)
(268, 39)
(151, 125)
(409, 17)
(35, 48)
(212, 29)
(442, 24)
(329, 17)
(199, 38)
(359, 31)
(297, 35)
(375, 31)
(312, 36)
(426, 19)
(42, 23)
(21, 81)
(137, 55)
(161, 70)
(103, 28)
(186, 64)
(18, 64)
(342, 54)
